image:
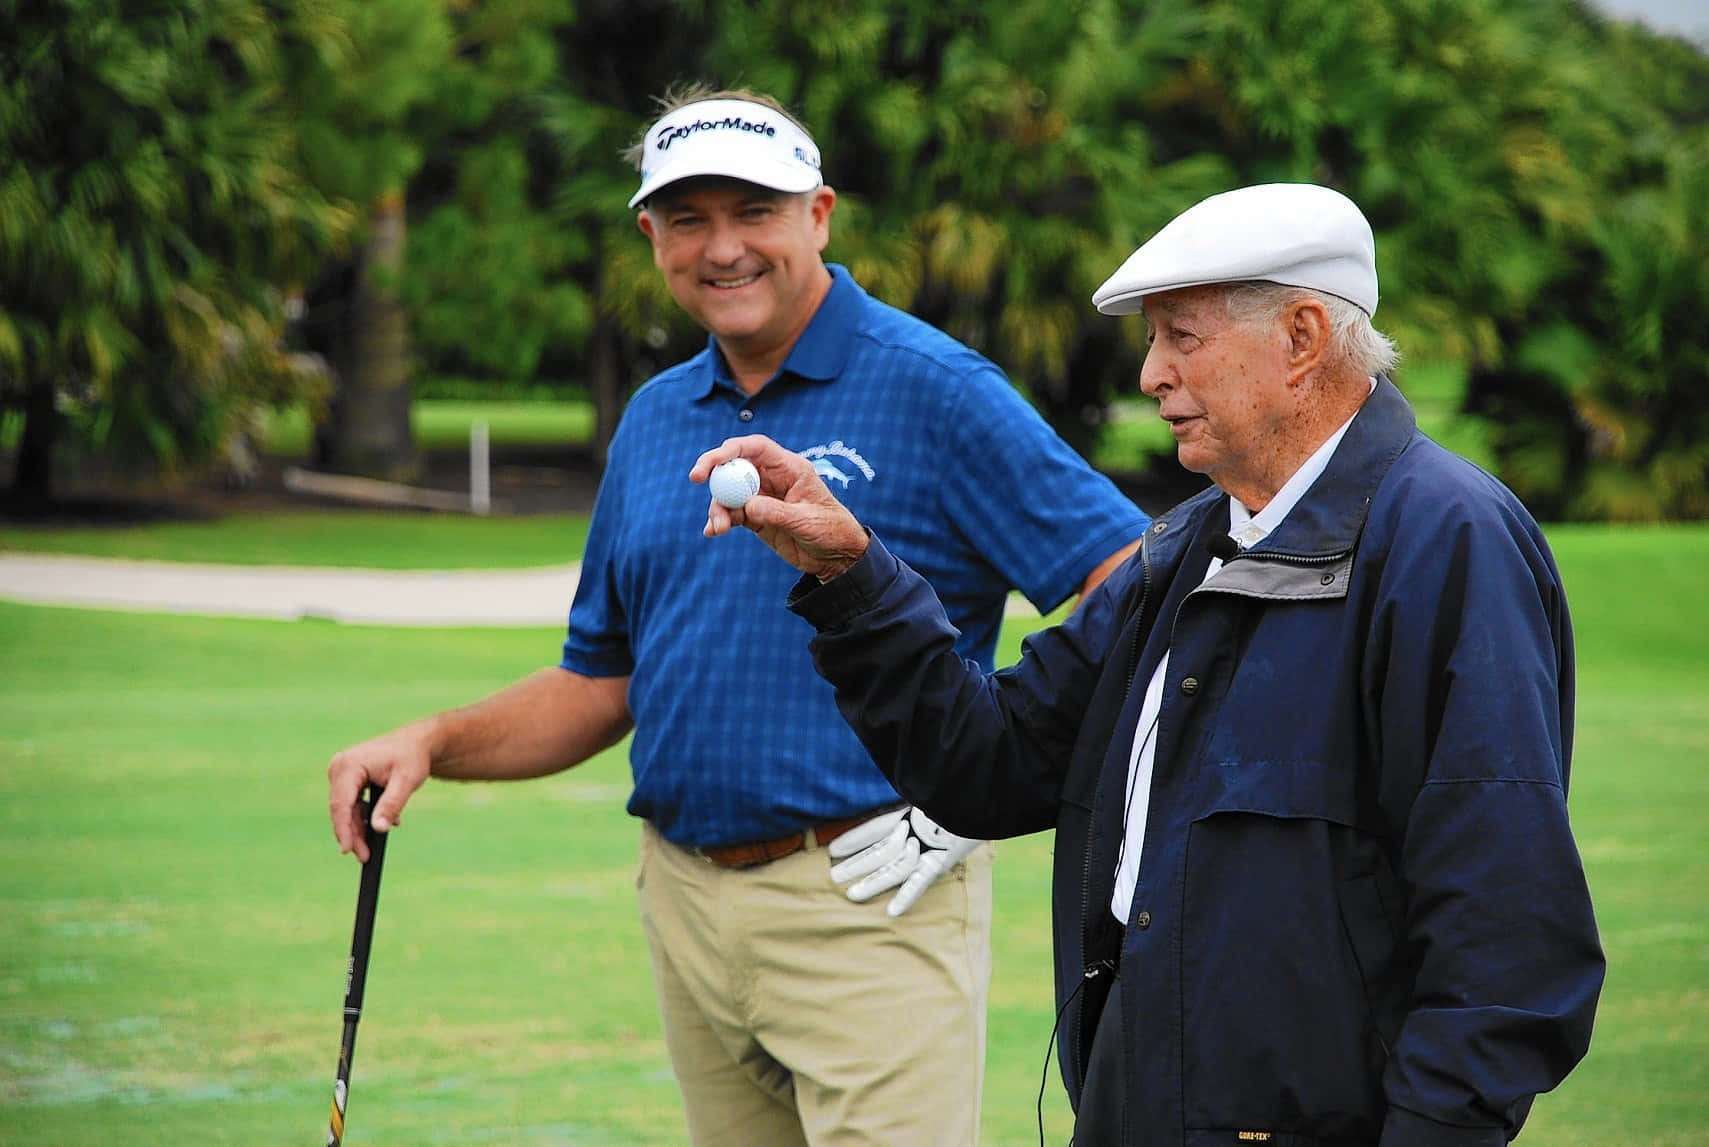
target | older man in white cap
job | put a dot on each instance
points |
(821, 950)
(1306, 756)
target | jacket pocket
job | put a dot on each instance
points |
(1371, 914)
(1275, 1019)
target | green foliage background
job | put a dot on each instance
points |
(153, 193)
(1537, 175)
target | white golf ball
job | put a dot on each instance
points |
(734, 482)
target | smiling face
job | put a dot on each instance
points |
(745, 262)
(1224, 389)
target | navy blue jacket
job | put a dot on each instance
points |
(1361, 916)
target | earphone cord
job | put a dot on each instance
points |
(1096, 968)
(1132, 788)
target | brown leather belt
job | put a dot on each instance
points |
(754, 852)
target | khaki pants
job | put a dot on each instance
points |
(796, 1017)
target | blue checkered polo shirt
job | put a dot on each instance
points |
(736, 736)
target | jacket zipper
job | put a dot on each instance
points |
(1095, 968)
(1289, 559)
(1092, 970)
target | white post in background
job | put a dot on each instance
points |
(480, 470)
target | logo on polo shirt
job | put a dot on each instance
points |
(838, 464)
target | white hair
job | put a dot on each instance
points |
(1352, 338)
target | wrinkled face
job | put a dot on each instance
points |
(1221, 387)
(743, 260)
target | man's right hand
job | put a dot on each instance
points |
(399, 761)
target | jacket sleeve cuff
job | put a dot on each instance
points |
(833, 604)
(1403, 1128)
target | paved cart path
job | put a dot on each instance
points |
(518, 597)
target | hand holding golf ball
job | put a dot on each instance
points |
(732, 483)
(774, 492)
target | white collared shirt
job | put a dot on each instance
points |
(1247, 529)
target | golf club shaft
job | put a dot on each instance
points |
(356, 974)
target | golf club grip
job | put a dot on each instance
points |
(356, 973)
(367, 900)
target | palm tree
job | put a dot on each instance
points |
(150, 198)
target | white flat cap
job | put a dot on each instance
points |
(732, 138)
(1298, 234)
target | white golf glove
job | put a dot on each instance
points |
(903, 847)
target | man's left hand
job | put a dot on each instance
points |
(905, 847)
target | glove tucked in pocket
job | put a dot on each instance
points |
(904, 847)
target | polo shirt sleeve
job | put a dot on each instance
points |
(1023, 497)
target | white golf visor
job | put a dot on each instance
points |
(732, 138)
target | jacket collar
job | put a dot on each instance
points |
(1327, 521)
(1332, 513)
(821, 351)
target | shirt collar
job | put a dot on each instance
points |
(822, 349)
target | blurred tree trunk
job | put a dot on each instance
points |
(32, 473)
(607, 387)
(1077, 406)
(367, 430)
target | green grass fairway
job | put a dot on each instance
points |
(174, 918)
(1640, 803)
(362, 539)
